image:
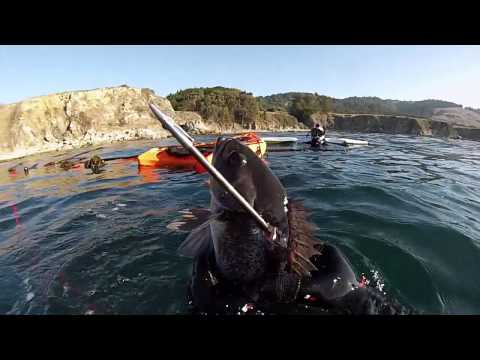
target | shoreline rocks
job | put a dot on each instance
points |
(75, 119)
(392, 124)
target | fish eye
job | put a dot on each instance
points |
(237, 159)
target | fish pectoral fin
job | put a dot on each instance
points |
(196, 242)
(189, 220)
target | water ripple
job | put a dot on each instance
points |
(405, 208)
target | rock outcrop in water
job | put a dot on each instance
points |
(391, 124)
(265, 121)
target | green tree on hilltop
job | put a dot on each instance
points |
(304, 106)
(218, 104)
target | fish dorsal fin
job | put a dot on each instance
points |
(302, 245)
(196, 242)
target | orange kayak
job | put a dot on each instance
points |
(178, 157)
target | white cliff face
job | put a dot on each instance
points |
(78, 118)
(397, 124)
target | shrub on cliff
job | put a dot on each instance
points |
(227, 106)
(220, 105)
(294, 102)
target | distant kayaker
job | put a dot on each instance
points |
(317, 135)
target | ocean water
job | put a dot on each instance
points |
(404, 210)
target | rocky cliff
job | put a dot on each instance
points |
(457, 116)
(78, 118)
(395, 125)
(265, 121)
(273, 120)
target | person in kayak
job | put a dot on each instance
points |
(317, 135)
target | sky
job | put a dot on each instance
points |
(449, 73)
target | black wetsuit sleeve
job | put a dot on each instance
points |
(201, 292)
(283, 288)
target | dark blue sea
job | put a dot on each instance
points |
(404, 210)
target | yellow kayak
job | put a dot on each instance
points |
(178, 157)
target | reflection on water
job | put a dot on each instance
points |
(404, 209)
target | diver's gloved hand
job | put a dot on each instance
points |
(369, 301)
(311, 290)
(324, 290)
(343, 298)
